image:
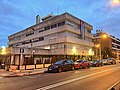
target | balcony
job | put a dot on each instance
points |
(89, 35)
(48, 32)
(79, 41)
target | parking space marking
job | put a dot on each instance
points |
(75, 79)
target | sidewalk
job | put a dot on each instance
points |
(17, 73)
(22, 72)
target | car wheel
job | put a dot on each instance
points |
(88, 66)
(59, 70)
(80, 67)
(73, 68)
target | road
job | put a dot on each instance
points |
(94, 78)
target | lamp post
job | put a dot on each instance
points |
(97, 46)
(33, 58)
(3, 52)
(104, 36)
(100, 49)
(31, 49)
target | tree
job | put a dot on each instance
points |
(107, 53)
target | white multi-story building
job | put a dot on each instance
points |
(60, 35)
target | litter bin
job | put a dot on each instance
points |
(2, 66)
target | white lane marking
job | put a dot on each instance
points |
(1, 77)
(72, 80)
(113, 85)
(94, 68)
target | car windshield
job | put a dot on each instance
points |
(110, 59)
(104, 60)
(96, 61)
(59, 62)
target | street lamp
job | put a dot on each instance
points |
(74, 51)
(115, 1)
(3, 50)
(104, 36)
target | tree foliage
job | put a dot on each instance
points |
(107, 53)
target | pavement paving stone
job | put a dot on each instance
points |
(17, 73)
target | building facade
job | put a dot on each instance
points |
(110, 42)
(61, 35)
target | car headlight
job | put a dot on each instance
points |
(75, 63)
(56, 67)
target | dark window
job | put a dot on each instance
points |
(61, 23)
(23, 43)
(41, 31)
(47, 28)
(89, 31)
(53, 26)
(36, 40)
(11, 45)
(17, 44)
(41, 38)
(29, 34)
(26, 42)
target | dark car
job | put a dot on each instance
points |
(106, 62)
(96, 63)
(112, 60)
(81, 64)
(62, 65)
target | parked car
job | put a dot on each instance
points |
(62, 65)
(106, 62)
(112, 60)
(81, 64)
(96, 63)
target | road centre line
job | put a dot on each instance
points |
(75, 79)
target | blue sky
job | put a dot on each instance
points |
(16, 15)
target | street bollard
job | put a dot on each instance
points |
(18, 67)
(35, 66)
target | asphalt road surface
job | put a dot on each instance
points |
(94, 78)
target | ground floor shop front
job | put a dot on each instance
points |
(22, 61)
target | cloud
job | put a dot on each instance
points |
(112, 25)
(106, 17)
(16, 15)
(7, 8)
(4, 41)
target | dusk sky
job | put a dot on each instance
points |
(16, 15)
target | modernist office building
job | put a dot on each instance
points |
(56, 36)
(110, 42)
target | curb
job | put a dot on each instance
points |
(23, 74)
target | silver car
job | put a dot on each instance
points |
(106, 62)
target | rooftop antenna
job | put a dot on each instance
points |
(58, 10)
(51, 11)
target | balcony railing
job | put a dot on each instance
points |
(48, 32)
(79, 41)
(88, 34)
